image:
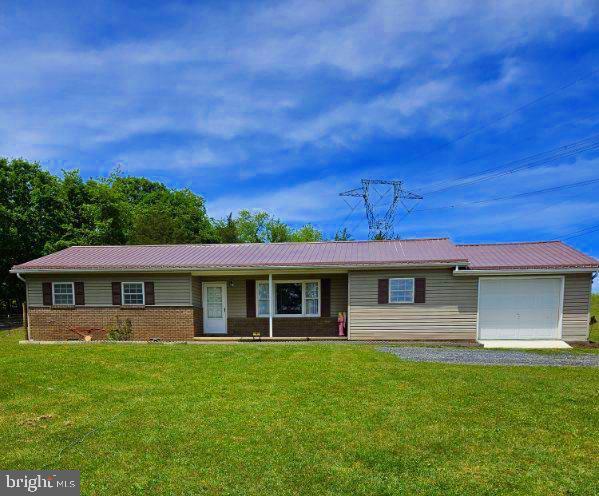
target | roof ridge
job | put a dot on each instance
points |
(267, 243)
(511, 243)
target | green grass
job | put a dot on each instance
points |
(294, 419)
(594, 333)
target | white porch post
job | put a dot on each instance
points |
(270, 305)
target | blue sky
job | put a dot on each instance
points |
(281, 105)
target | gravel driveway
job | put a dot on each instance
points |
(492, 357)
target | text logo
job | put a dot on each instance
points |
(40, 482)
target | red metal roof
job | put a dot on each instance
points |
(534, 255)
(549, 255)
(328, 253)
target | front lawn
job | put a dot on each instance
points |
(294, 419)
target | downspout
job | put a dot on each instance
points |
(26, 305)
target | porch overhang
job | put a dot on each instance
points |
(318, 269)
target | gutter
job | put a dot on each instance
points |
(252, 268)
(26, 304)
(507, 272)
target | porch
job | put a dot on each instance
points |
(269, 304)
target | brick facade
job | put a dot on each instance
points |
(165, 323)
(282, 327)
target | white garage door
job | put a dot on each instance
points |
(519, 308)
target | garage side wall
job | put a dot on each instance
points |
(449, 311)
(577, 306)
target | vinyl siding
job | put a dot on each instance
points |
(450, 310)
(236, 303)
(169, 289)
(577, 301)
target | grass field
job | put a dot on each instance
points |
(594, 333)
(294, 419)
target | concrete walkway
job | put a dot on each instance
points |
(526, 344)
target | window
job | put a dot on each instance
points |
(401, 290)
(133, 293)
(292, 298)
(311, 299)
(263, 300)
(289, 298)
(63, 293)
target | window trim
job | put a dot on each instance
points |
(413, 279)
(143, 294)
(303, 282)
(72, 294)
(258, 314)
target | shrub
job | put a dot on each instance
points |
(121, 331)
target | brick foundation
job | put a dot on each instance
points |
(282, 327)
(165, 323)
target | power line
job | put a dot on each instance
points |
(505, 116)
(581, 232)
(525, 163)
(569, 148)
(511, 197)
(351, 212)
(484, 156)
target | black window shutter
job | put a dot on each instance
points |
(420, 290)
(47, 293)
(383, 291)
(116, 293)
(250, 298)
(149, 291)
(325, 297)
(79, 293)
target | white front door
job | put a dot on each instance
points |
(519, 308)
(214, 296)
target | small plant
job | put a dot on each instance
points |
(121, 331)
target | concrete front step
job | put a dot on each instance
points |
(267, 338)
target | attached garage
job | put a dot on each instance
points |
(520, 308)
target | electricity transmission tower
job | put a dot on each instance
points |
(381, 225)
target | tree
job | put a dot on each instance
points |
(41, 213)
(252, 228)
(277, 231)
(171, 216)
(32, 213)
(380, 236)
(306, 233)
(343, 235)
(226, 230)
(261, 227)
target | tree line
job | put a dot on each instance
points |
(41, 213)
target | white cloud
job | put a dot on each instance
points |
(233, 74)
(316, 201)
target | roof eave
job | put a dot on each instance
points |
(525, 271)
(353, 266)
